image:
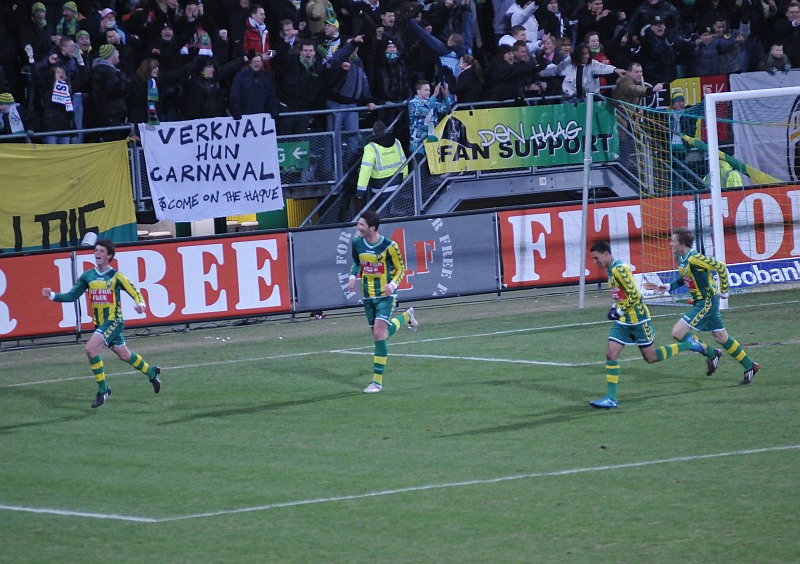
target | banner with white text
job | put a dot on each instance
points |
(216, 167)
(502, 138)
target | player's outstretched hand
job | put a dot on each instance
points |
(658, 288)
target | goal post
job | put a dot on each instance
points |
(726, 167)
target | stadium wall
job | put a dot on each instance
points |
(267, 273)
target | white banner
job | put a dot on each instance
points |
(762, 138)
(216, 167)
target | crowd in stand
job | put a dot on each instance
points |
(93, 64)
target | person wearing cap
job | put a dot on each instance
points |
(36, 35)
(109, 89)
(391, 81)
(383, 157)
(659, 54)
(708, 52)
(67, 26)
(11, 118)
(332, 41)
(645, 15)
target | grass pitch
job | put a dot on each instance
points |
(481, 447)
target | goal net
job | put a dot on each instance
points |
(727, 167)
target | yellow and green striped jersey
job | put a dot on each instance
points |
(697, 274)
(378, 264)
(626, 294)
(103, 289)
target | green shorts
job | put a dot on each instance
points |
(705, 316)
(111, 331)
(380, 308)
(641, 334)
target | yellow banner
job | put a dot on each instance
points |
(53, 194)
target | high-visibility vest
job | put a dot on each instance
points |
(380, 162)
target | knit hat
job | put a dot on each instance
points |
(81, 33)
(678, 97)
(6, 98)
(71, 6)
(332, 21)
(38, 6)
(106, 51)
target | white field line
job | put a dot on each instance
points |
(396, 491)
(354, 350)
(481, 359)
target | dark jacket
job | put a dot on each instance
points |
(253, 93)
(109, 89)
(301, 88)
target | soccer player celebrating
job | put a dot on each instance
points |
(631, 323)
(381, 266)
(696, 272)
(103, 284)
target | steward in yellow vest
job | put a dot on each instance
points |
(383, 156)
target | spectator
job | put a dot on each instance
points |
(288, 43)
(468, 85)
(581, 73)
(632, 89)
(300, 88)
(732, 61)
(448, 53)
(658, 53)
(37, 33)
(425, 111)
(501, 22)
(204, 95)
(595, 16)
(646, 13)
(708, 52)
(11, 116)
(84, 42)
(253, 91)
(518, 33)
(127, 58)
(592, 41)
(109, 88)
(332, 41)
(521, 13)
(161, 12)
(165, 48)
(67, 26)
(553, 19)
(58, 113)
(775, 60)
(348, 88)
(197, 32)
(145, 98)
(391, 80)
(787, 31)
(528, 81)
(256, 35)
(108, 21)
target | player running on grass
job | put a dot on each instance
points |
(103, 284)
(696, 273)
(631, 323)
(381, 266)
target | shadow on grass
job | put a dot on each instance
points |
(51, 401)
(255, 408)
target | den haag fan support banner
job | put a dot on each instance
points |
(204, 168)
(53, 194)
(520, 137)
